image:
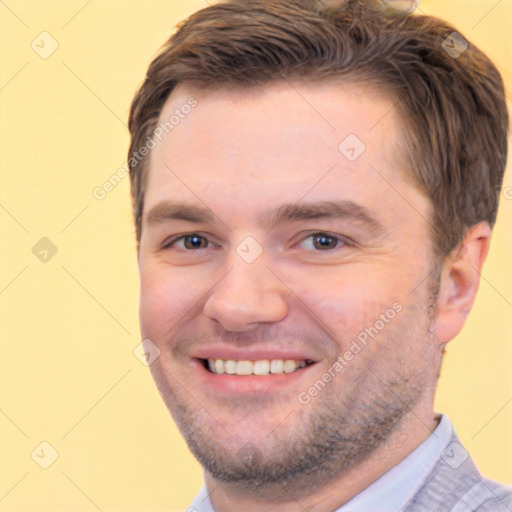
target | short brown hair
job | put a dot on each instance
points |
(452, 107)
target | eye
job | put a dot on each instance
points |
(322, 242)
(319, 241)
(188, 242)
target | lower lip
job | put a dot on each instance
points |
(241, 384)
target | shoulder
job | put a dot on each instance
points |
(499, 498)
(456, 485)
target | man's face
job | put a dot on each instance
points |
(303, 247)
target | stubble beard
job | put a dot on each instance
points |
(329, 436)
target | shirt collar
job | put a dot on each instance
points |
(394, 489)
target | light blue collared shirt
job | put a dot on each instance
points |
(393, 490)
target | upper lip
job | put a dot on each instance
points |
(223, 352)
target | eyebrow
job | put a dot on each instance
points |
(342, 209)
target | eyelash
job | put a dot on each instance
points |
(340, 240)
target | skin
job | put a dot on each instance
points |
(241, 153)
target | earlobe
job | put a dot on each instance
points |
(460, 276)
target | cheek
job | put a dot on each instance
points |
(357, 292)
(165, 299)
(349, 302)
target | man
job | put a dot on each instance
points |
(314, 188)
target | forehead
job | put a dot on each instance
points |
(286, 138)
(274, 118)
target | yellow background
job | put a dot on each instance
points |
(68, 375)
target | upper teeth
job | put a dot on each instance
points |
(262, 367)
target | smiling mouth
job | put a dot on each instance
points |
(261, 367)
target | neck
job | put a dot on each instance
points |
(298, 496)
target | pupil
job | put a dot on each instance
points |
(325, 241)
(194, 241)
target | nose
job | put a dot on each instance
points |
(248, 295)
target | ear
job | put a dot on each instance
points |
(460, 276)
